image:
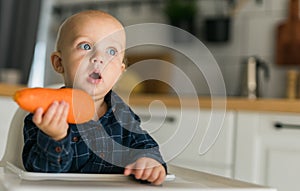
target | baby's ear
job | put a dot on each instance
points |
(56, 62)
(123, 67)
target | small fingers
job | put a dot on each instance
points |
(136, 168)
(160, 178)
(154, 175)
(62, 112)
(38, 116)
(129, 169)
(139, 169)
(49, 114)
(147, 169)
(147, 173)
(53, 121)
(66, 111)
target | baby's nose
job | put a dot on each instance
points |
(96, 58)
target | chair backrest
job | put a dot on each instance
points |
(15, 140)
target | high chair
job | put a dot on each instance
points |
(15, 141)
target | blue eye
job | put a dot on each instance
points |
(112, 51)
(85, 46)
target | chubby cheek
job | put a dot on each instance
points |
(69, 77)
(119, 68)
(71, 62)
(113, 73)
(74, 75)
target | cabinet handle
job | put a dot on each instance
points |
(168, 119)
(279, 125)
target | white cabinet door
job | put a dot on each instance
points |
(219, 158)
(180, 132)
(165, 127)
(268, 155)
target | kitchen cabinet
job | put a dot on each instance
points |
(265, 154)
(219, 158)
(165, 124)
(250, 147)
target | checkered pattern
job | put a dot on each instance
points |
(103, 146)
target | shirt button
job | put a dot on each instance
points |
(75, 139)
(58, 149)
(102, 155)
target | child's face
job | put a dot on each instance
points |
(91, 53)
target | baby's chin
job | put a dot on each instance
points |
(96, 91)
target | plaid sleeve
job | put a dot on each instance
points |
(140, 142)
(43, 154)
(143, 145)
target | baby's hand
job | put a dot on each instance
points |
(54, 121)
(147, 169)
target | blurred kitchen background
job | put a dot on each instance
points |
(259, 141)
(246, 28)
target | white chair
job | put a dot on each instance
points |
(15, 141)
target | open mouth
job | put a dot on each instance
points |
(95, 76)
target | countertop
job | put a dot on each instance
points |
(9, 89)
(231, 103)
(185, 180)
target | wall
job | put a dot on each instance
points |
(253, 33)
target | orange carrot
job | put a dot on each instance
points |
(81, 104)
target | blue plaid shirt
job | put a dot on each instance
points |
(103, 146)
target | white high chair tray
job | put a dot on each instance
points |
(70, 176)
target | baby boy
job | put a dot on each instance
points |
(89, 55)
